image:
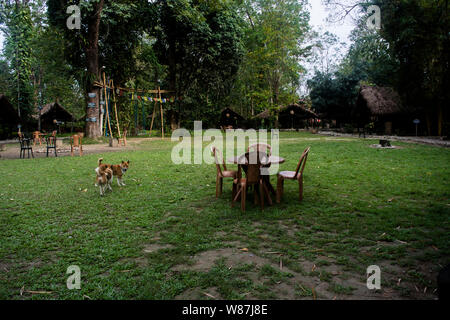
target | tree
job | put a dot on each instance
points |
(275, 34)
(416, 34)
(110, 32)
(200, 43)
(18, 28)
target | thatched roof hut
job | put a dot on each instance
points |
(378, 104)
(302, 111)
(290, 116)
(9, 118)
(51, 112)
(231, 119)
(296, 116)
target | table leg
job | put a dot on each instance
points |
(269, 188)
(269, 185)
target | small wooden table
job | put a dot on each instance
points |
(242, 160)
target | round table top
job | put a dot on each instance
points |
(242, 160)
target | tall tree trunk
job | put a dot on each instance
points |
(440, 119)
(174, 122)
(93, 128)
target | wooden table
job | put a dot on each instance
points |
(242, 160)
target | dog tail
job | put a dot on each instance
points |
(100, 161)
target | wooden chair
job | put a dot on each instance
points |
(253, 178)
(37, 137)
(123, 140)
(293, 175)
(25, 145)
(76, 141)
(221, 174)
(262, 147)
(51, 142)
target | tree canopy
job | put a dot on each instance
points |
(249, 55)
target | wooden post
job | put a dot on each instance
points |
(162, 114)
(153, 117)
(107, 110)
(115, 109)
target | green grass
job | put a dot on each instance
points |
(361, 206)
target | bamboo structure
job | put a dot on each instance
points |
(110, 86)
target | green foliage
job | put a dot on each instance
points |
(410, 53)
(19, 33)
(417, 33)
(275, 33)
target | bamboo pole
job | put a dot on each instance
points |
(107, 108)
(115, 110)
(153, 116)
(162, 113)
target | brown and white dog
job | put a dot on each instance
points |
(103, 179)
(118, 170)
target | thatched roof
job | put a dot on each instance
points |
(54, 110)
(266, 114)
(380, 100)
(300, 109)
(263, 115)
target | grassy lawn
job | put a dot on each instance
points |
(165, 236)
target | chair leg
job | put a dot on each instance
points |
(239, 191)
(300, 188)
(32, 154)
(56, 153)
(243, 197)
(280, 181)
(261, 195)
(221, 186)
(217, 186)
(255, 195)
(267, 192)
(233, 192)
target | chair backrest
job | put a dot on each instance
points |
(254, 164)
(216, 153)
(51, 140)
(76, 140)
(301, 163)
(262, 147)
(22, 140)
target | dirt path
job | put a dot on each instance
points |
(422, 140)
(40, 151)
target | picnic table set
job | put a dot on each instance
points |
(255, 164)
(27, 142)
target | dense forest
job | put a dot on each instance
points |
(249, 55)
